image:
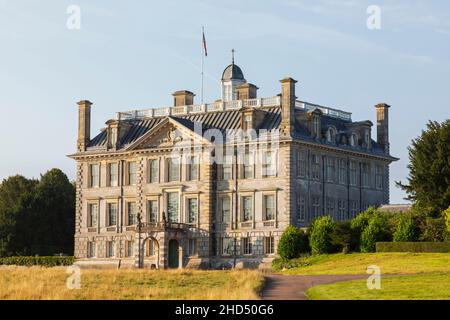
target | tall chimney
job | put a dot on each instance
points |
(287, 106)
(84, 124)
(383, 126)
(183, 98)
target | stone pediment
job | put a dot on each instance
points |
(169, 133)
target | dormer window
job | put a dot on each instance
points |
(367, 138)
(247, 122)
(316, 126)
(331, 135)
(353, 140)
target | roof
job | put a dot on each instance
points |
(228, 122)
(233, 72)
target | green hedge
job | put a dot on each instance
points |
(441, 247)
(37, 261)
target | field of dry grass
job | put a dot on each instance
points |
(50, 283)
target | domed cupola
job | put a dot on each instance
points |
(232, 77)
(232, 72)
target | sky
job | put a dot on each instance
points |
(133, 54)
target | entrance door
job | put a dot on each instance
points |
(173, 254)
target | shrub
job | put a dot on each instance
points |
(292, 243)
(446, 215)
(344, 238)
(320, 235)
(37, 261)
(433, 229)
(376, 231)
(359, 223)
(280, 264)
(437, 247)
(406, 229)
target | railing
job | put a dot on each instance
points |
(199, 108)
(161, 226)
(325, 110)
(228, 105)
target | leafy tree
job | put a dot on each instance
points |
(55, 208)
(406, 229)
(320, 235)
(376, 231)
(293, 242)
(16, 199)
(429, 178)
(37, 217)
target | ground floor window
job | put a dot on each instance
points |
(91, 249)
(151, 247)
(247, 245)
(109, 249)
(227, 246)
(129, 248)
(269, 245)
(192, 247)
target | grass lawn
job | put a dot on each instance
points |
(50, 283)
(390, 263)
(418, 287)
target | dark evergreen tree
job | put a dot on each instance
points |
(429, 178)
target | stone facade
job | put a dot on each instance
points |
(153, 192)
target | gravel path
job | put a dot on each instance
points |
(279, 287)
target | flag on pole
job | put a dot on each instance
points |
(204, 44)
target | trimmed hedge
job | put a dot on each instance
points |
(37, 261)
(437, 247)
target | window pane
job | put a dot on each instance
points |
(270, 207)
(113, 174)
(95, 180)
(112, 214)
(193, 168)
(192, 207)
(93, 213)
(131, 213)
(154, 177)
(225, 209)
(132, 173)
(173, 169)
(152, 211)
(172, 206)
(247, 206)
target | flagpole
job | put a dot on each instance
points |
(203, 60)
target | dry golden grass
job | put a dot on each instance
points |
(50, 283)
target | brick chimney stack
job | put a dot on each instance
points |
(287, 106)
(84, 124)
(383, 126)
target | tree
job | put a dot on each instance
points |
(320, 235)
(359, 223)
(292, 243)
(55, 208)
(16, 199)
(429, 178)
(37, 217)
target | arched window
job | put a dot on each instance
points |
(151, 247)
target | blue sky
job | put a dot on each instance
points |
(133, 54)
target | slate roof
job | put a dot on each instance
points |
(229, 121)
